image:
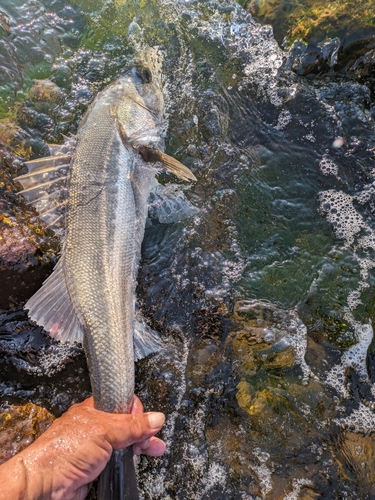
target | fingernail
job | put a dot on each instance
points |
(156, 420)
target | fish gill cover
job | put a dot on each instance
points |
(262, 290)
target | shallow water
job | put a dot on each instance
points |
(263, 293)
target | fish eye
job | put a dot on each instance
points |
(143, 74)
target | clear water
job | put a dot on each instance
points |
(263, 292)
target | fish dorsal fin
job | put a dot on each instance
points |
(150, 154)
(45, 185)
(52, 308)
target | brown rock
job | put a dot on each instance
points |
(45, 90)
(280, 360)
(20, 426)
(27, 249)
(356, 452)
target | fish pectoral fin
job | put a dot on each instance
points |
(150, 154)
(146, 340)
(52, 308)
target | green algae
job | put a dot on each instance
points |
(315, 19)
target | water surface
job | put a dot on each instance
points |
(263, 292)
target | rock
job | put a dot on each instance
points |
(36, 368)
(356, 59)
(27, 250)
(314, 20)
(262, 337)
(45, 90)
(308, 59)
(20, 426)
(356, 452)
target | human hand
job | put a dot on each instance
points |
(75, 449)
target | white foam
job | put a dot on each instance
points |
(328, 167)
(299, 342)
(53, 359)
(283, 120)
(177, 354)
(366, 194)
(359, 237)
(360, 420)
(263, 472)
(298, 484)
(340, 212)
(216, 476)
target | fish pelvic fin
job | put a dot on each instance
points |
(45, 185)
(150, 154)
(146, 340)
(51, 308)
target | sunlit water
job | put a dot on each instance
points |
(260, 277)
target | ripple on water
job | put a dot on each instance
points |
(263, 144)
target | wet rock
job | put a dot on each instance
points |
(263, 336)
(27, 251)
(313, 59)
(282, 407)
(323, 38)
(20, 426)
(45, 90)
(315, 20)
(36, 368)
(358, 60)
(355, 60)
(355, 452)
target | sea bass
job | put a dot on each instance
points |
(103, 182)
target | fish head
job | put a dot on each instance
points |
(140, 108)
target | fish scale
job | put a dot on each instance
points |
(104, 201)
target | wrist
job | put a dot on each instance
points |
(23, 477)
(14, 480)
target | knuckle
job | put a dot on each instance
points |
(137, 428)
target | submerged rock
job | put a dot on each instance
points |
(27, 250)
(20, 426)
(36, 368)
(356, 452)
(315, 20)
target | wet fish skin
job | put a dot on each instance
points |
(90, 296)
(107, 208)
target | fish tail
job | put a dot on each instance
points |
(118, 480)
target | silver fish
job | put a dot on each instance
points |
(103, 178)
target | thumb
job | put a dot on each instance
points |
(136, 428)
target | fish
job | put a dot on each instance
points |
(93, 192)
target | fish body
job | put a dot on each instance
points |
(101, 190)
(107, 209)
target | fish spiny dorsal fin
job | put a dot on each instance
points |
(45, 184)
(150, 154)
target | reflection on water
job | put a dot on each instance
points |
(262, 286)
